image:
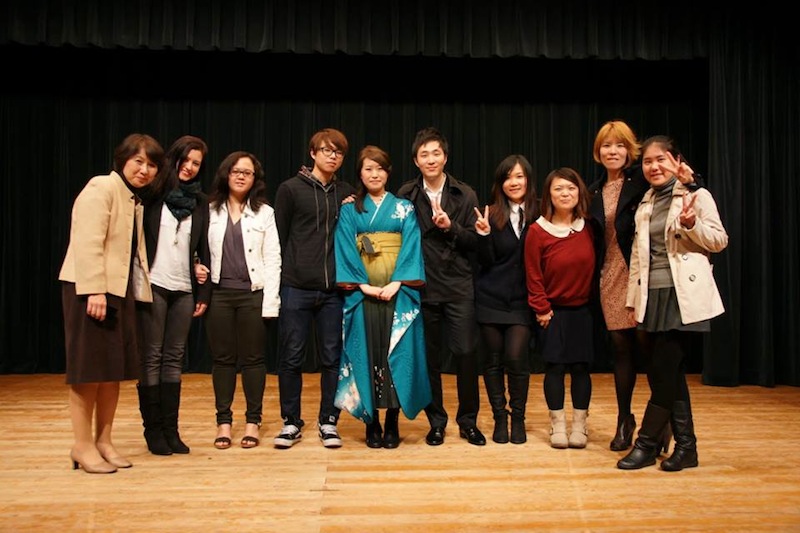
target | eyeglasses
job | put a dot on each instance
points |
(239, 172)
(327, 152)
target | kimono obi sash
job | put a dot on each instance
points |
(371, 244)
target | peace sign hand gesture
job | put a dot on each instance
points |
(678, 168)
(688, 215)
(440, 216)
(482, 223)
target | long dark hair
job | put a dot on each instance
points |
(176, 155)
(256, 196)
(379, 156)
(499, 209)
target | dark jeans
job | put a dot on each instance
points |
(457, 321)
(299, 309)
(164, 327)
(237, 337)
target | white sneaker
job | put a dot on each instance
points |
(288, 437)
(329, 436)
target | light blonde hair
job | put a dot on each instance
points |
(619, 131)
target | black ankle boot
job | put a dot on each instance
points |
(374, 432)
(624, 437)
(648, 444)
(391, 434)
(684, 455)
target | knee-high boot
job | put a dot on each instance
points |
(684, 454)
(391, 431)
(518, 385)
(170, 404)
(494, 379)
(254, 379)
(150, 407)
(648, 444)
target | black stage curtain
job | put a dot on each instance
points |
(496, 79)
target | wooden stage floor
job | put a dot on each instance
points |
(748, 479)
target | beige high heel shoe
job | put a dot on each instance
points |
(116, 460)
(101, 468)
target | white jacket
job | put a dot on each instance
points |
(262, 251)
(688, 251)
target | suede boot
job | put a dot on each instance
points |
(558, 429)
(150, 407)
(578, 435)
(170, 404)
(684, 455)
(648, 443)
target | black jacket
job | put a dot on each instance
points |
(630, 196)
(198, 240)
(633, 190)
(500, 283)
(448, 254)
(306, 212)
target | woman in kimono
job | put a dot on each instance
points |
(379, 265)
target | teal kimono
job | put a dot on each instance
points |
(381, 245)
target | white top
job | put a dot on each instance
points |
(170, 268)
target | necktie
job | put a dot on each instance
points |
(521, 223)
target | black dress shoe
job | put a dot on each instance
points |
(473, 435)
(435, 436)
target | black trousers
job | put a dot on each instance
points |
(455, 322)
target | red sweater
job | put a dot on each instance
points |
(558, 270)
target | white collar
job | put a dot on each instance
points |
(561, 231)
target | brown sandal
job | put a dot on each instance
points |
(250, 442)
(222, 443)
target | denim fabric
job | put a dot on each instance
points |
(165, 326)
(300, 309)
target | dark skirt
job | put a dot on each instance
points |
(487, 315)
(663, 313)
(568, 338)
(100, 351)
(378, 323)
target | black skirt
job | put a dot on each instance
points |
(100, 351)
(568, 338)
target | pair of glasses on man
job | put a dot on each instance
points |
(236, 172)
(327, 152)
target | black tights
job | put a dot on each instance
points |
(667, 372)
(625, 344)
(507, 346)
(580, 385)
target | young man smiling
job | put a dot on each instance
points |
(445, 211)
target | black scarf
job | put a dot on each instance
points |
(182, 200)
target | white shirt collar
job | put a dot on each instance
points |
(561, 231)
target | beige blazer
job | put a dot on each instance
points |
(99, 254)
(689, 253)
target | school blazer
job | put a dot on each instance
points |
(98, 258)
(689, 253)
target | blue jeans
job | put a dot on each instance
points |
(299, 309)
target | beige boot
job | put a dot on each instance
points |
(558, 429)
(578, 434)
